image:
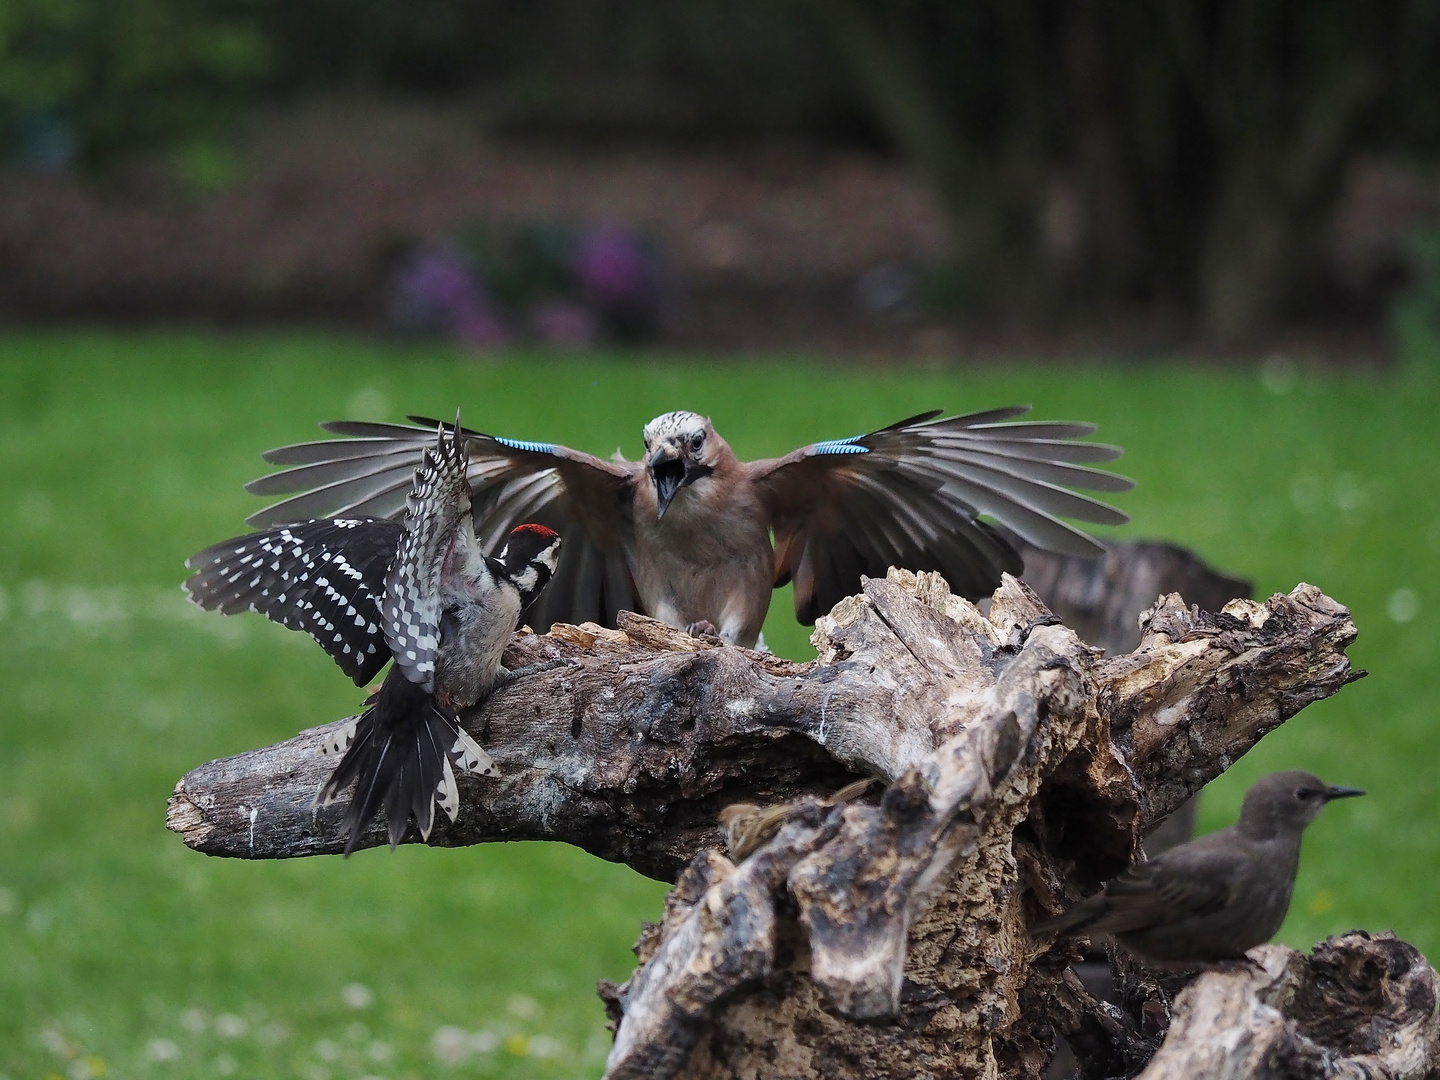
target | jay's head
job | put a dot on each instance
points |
(681, 448)
(529, 557)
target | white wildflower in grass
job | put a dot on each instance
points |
(372, 1077)
(1403, 605)
(379, 1052)
(326, 1050)
(597, 1046)
(450, 1045)
(526, 1008)
(272, 1034)
(1306, 493)
(1350, 497)
(9, 902)
(484, 1042)
(39, 921)
(368, 403)
(87, 1068)
(544, 1046)
(194, 1020)
(54, 1041)
(317, 1072)
(357, 996)
(225, 1065)
(1279, 374)
(230, 1026)
(162, 1050)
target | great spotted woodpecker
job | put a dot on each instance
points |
(421, 592)
(685, 535)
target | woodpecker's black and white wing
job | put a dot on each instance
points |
(324, 577)
(513, 481)
(436, 532)
(911, 494)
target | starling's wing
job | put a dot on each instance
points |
(323, 577)
(583, 498)
(439, 501)
(1166, 890)
(910, 494)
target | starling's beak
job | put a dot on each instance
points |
(670, 472)
(1342, 793)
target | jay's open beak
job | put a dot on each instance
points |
(671, 472)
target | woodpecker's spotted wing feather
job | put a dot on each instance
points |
(911, 494)
(323, 577)
(438, 503)
(584, 498)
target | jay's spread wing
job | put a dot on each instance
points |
(583, 498)
(910, 494)
(438, 503)
(325, 577)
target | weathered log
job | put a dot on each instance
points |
(915, 911)
(876, 940)
(1359, 1006)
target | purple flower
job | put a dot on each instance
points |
(613, 269)
(434, 291)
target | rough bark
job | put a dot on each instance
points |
(885, 936)
(1359, 1006)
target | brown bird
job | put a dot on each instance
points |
(749, 825)
(1210, 900)
(685, 534)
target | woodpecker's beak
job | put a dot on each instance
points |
(670, 472)
(1342, 793)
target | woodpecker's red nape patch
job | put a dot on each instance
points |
(539, 530)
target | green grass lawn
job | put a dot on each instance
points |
(122, 952)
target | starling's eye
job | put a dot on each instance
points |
(1304, 794)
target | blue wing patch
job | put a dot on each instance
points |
(526, 444)
(841, 446)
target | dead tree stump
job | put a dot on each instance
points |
(886, 937)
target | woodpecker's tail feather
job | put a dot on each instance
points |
(402, 755)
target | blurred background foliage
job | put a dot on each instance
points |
(1185, 155)
(96, 78)
(174, 160)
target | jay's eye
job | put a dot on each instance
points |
(697, 441)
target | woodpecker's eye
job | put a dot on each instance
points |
(697, 440)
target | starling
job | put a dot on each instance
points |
(1210, 900)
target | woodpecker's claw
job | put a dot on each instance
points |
(505, 676)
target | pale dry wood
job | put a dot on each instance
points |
(1360, 1007)
(922, 899)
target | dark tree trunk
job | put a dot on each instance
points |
(1180, 154)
